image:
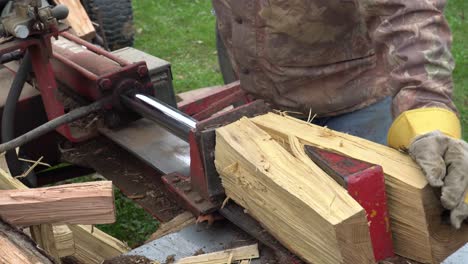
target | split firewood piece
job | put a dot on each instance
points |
(299, 204)
(94, 246)
(89, 244)
(81, 203)
(224, 257)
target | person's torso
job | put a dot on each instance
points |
(302, 54)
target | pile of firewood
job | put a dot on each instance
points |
(60, 220)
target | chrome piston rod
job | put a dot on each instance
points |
(151, 108)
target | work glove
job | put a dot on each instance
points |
(444, 161)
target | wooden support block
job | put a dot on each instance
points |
(224, 257)
(300, 205)
(80, 203)
(415, 210)
(18, 248)
(78, 19)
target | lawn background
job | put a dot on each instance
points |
(182, 32)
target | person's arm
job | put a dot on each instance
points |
(416, 39)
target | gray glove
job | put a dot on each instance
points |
(444, 161)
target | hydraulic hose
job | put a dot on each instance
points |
(15, 166)
(51, 125)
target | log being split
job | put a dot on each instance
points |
(298, 203)
(18, 248)
(81, 203)
(415, 211)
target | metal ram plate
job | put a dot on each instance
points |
(154, 145)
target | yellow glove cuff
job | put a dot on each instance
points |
(413, 123)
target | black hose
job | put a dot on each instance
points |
(50, 126)
(15, 166)
(11, 56)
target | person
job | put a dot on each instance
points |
(365, 67)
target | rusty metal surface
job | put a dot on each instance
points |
(131, 175)
(200, 239)
(236, 215)
(182, 189)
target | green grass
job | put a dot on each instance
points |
(133, 224)
(457, 12)
(183, 33)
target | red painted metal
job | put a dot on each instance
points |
(91, 73)
(95, 49)
(204, 180)
(204, 103)
(40, 49)
(181, 188)
(236, 97)
(94, 73)
(366, 184)
(368, 188)
(197, 171)
(48, 87)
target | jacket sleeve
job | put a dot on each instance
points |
(415, 39)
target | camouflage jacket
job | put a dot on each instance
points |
(337, 56)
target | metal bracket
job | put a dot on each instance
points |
(181, 187)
